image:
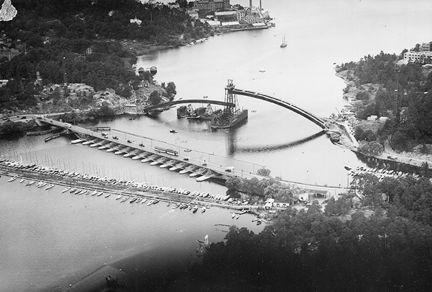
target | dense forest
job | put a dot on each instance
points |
(384, 243)
(405, 96)
(79, 42)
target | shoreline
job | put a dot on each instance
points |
(389, 155)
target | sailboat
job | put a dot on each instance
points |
(283, 44)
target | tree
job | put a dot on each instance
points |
(338, 207)
(263, 171)
(171, 89)
(399, 141)
(371, 148)
(155, 97)
(233, 183)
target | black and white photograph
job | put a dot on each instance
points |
(215, 145)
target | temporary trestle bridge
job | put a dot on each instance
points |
(154, 152)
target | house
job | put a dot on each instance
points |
(268, 203)
(3, 82)
(193, 13)
(303, 197)
(426, 47)
(130, 108)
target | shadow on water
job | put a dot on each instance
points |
(160, 269)
(233, 148)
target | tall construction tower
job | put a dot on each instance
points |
(231, 97)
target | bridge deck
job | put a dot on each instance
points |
(216, 164)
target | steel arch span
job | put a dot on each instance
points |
(182, 101)
(318, 121)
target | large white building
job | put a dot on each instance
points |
(424, 57)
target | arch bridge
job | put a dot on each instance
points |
(187, 101)
(318, 121)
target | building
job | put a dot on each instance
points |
(130, 109)
(426, 47)
(226, 16)
(423, 57)
(269, 203)
(193, 13)
(3, 82)
(207, 6)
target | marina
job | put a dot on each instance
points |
(129, 190)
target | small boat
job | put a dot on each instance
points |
(143, 201)
(93, 193)
(30, 183)
(138, 200)
(233, 215)
(49, 187)
(173, 131)
(195, 209)
(150, 203)
(83, 192)
(258, 222)
(119, 197)
(12, 179)
(72, 190)
(124, 200)
(283, 44)
(22, 180)
(107, 196)
(99, 194)
(66, 189)
(187, 150)
(155, 202)
(203, 209)
(133, 200)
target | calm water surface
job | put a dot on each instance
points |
(46, 236)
